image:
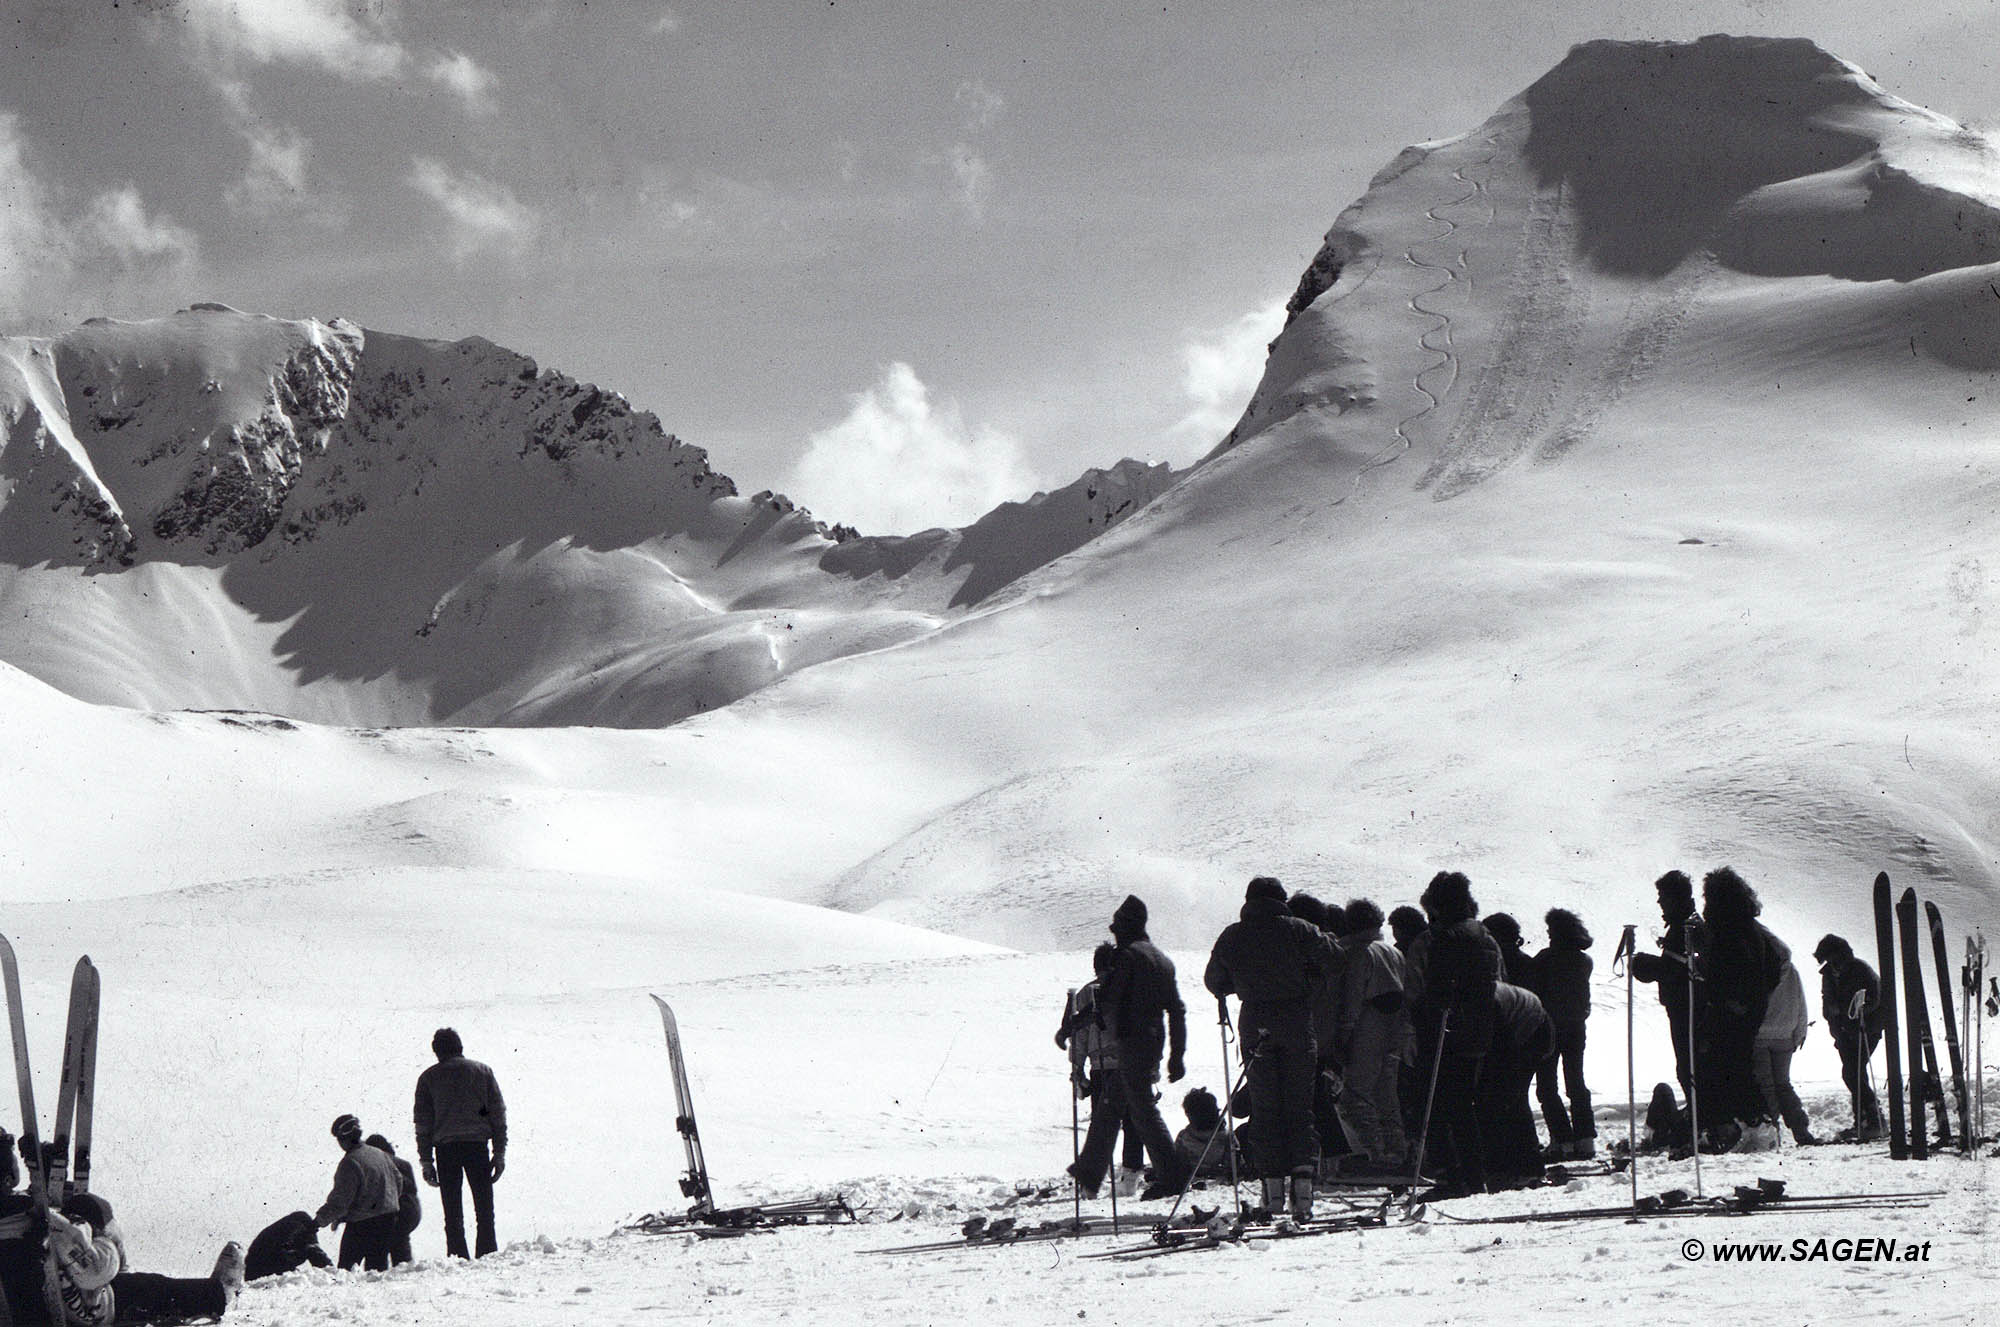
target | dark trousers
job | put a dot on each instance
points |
(366, 1243)
(1282, 1078)
(1108, 1110)
(471, 1162)
(162, 1301)
(1683, 1037)
(1512, 1147)
(1456, 1140)
(1728, 1083)
(1854, 1073)
(1576, 1121)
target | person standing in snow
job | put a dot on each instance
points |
(1372, 1040)
(1740, 963)
(1782, 1035)
(366, 1198)
(1844, 978)
(459, 1113)
(1562, 980)
(409, 1207)
(1328, 1080)
(1514, 956)
(1523, 1045)
(1276, 964)
(1142, 994)
(1668, 970)
(1086, 1034)
(1451, 971)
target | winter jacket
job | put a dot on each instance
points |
(1276, 965)
(86, 1261)
(365, 1184)
(1140, 991)
(290, 1241)
(1523, 1034)
(458, 1101)
(1785, 1018)
(1562, 979)
(1516, 965)
(1455, 968)
(1087, 1037)
(1741, 965)
(1839, 981)
(1373, 1005)
(408, 1204)
(1667, 969)
(1209, 1147)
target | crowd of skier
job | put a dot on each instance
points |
(1413, 1059)
(460, 1121)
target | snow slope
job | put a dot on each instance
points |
(1619, 497)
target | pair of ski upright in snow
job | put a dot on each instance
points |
(1908, 1136)
(60, 1168)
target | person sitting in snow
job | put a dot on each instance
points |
(290, 1242)
(97, 1290)
(1204, 1144)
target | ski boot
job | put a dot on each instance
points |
(1302, 1193)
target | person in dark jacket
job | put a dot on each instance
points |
(1739, 962)
(1142, 993)
(1451, 971)
(290, 1242)
(1277, 966)
(1372, 1039)
(1562, 979)
(1514, 956)
(1330, 1081)
(366, 1198)
(458, 1113)
(1523, 1045)
(409, 1207)
(1668, 970)
(1844, 977)
(1405, 925)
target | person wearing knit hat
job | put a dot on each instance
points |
(1141, 992)
(1274, 963)
(366, 1198)
(1846, 982)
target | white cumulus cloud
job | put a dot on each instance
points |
(483, 217)
(900, 463)
(329, 34)
(1220, 368)
(117, 226)
(467, 77)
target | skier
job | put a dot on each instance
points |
(1668, 970)
(90, 1258)
(1782, 1035)
(1142, 993)
(1372, 1039)
(1406, 924)
(1523, 1046)
(1451, 971)
(409, 1207)
(1842, 977)
(1328, 1079)
(1093, 1053)
(290, 1242)
(1740, 962)
(365, 1198)
(1562, 978)
(1514, 956)
(458, 1113)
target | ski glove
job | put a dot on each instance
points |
(430, 1172)
(1175, 1069)
(499, 1165)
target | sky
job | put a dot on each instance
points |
(900, 261)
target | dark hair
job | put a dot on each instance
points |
(87, 1207)
(1265, 886)
(1102, 957)
(445, 1042)
(1502, 927)
(1832, 948)
(1727, 899)
(1404, 918)
(1448, 898)
(1361, 914)
(377, 1140)
(1566, 929)
(1203, 1111)
(1675, 884)
(1307, 908)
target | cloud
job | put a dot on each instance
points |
(466, 77)
(275, 179)
(109, 254)
(1220, 368)
(484, 217)
(328, 34)
(975, 180)
(981, 105)
(898, 463)
(667, 24)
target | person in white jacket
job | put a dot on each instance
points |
(1779, 1037)
(98, 1290)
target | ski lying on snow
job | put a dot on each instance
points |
(979, 1234)
(1214, 1236)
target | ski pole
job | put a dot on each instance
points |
(1075, 1122)
(1857, 1009)
(1628, 943)
(1228, 1107)
(1430, 1099)
(1694, 1061)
